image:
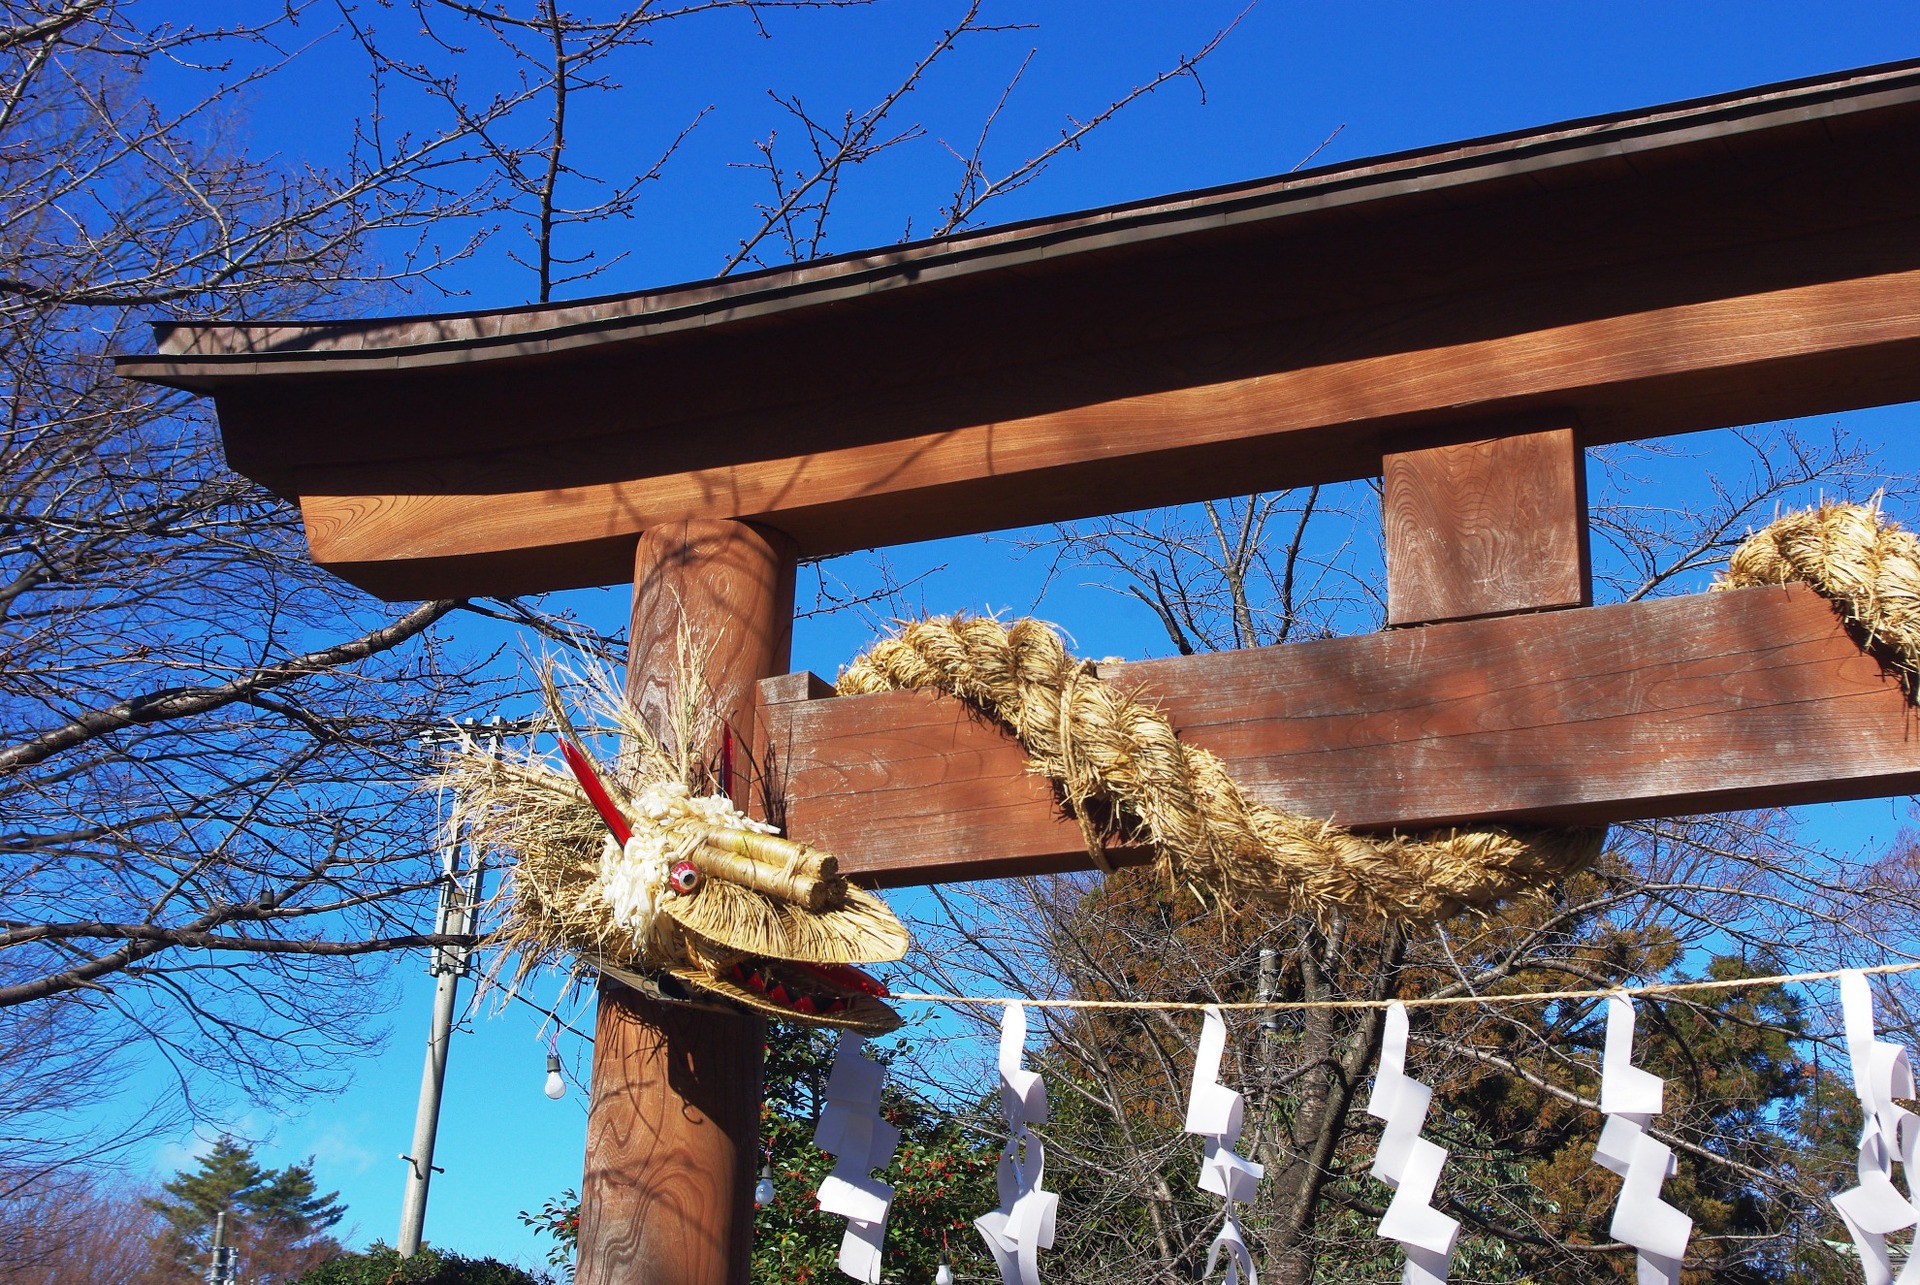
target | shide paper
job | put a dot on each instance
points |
(1215, 1112)
(851, 1130)
(1022, 1226)
(1408, 1162)
(1630, 1098)
(1881, 1073)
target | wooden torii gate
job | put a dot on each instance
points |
(1463, 320)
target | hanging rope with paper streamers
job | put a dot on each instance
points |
(1407, 1162)
(1630, 1098)
(1881, 1073)
(1023, 1224)
(1215, 1112)
(852, 1130)
(1653, 990)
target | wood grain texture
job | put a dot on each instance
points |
(908, 788)
(672, 1140)
(1486, 528)
(1750, 698)
(667, 1196)
(469, 528)
(733, 585)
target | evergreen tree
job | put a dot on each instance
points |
(942, 1175)
(277, 1219)
(192, 1200)
(288, 1204)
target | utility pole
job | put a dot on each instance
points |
(220, 1262)
(460, 888)
(1269, 987)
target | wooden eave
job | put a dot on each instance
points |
(1707, 263)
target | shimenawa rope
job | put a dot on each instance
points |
(1125, 774)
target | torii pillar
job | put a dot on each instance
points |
(673, 1125)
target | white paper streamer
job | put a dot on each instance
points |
(851, 1129)
(1408, 1162)
(1215, 1113)
(1022, 1226)
(1630, 1098)
(1892, 1133)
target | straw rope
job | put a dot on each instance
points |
(1125, 775)
(1854, 555)
(1652, 990)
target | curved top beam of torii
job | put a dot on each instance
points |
(1744, 257)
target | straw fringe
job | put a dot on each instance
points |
(860, 929)
(1125, 775)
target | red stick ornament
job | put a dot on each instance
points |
(597, 794)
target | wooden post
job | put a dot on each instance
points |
(673, 1126)
(1486, 528)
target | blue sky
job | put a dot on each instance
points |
(1386, 76)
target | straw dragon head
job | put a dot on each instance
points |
(727, 906)
(635, 875)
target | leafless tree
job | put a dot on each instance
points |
(208, 748)
(794, 218)
(195, 720)
(74, 1229)
(558, 58)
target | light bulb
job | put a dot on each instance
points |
(763, 1192)
(556, 1087)
(944, 1276)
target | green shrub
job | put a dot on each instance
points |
(382, 1265)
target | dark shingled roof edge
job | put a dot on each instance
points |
(203, 356)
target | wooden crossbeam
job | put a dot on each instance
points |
(1756, 697)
